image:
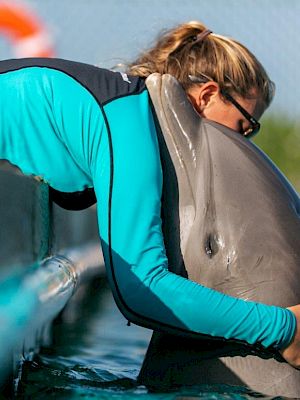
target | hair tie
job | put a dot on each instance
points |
(192, 40)
(201, 36)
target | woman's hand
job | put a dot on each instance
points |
(292, 353)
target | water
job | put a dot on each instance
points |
(96, 356)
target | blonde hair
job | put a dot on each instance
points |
(216, 57)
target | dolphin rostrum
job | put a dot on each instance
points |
(231, 223)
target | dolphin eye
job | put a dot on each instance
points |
(211, 245)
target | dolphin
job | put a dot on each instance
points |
(231, 222)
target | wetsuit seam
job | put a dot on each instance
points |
(55, 69)
(141, 90)
(124, 95)
(109, 227)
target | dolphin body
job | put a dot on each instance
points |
(231, 222)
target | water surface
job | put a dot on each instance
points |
(95, 355)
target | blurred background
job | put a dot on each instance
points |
(92, 348)
(108, 32)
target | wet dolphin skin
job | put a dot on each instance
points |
(231, 223)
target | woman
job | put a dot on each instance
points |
(85, 130)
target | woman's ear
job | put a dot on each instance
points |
(202, 97)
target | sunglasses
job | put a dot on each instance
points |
(254, 124)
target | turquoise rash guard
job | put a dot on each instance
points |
(87, 130)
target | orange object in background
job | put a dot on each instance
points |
(24, 30)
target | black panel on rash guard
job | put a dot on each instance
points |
(105, 85)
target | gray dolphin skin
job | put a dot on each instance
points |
(231, 222)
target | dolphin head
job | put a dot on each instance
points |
(236, 214)
(231, 222)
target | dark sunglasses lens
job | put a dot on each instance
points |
(253, 131)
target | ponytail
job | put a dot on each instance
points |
(191, 49)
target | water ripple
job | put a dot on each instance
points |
(94, 355)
